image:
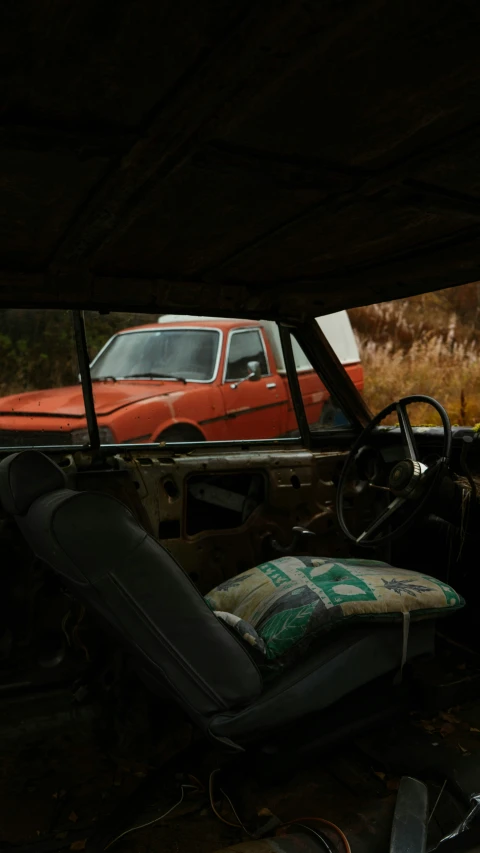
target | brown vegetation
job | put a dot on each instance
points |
(428, 344)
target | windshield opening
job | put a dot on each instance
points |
(185, 354)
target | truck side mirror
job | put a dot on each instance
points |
(253, 375)
(254, 371)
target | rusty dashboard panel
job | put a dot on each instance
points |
(218, 514)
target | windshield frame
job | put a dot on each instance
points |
(164, 328)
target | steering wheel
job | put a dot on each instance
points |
(410, 482)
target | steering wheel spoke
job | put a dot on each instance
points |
(381, 519)
(407, 432)
(432, 470)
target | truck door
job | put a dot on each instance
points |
(254, 409)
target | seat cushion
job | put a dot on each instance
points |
(349, 660)
(290, 601)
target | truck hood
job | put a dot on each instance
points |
(68, 402)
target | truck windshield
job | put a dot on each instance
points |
(188, 354)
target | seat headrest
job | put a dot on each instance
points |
(24, 477)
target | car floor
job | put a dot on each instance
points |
(58, 783)
(58, 786)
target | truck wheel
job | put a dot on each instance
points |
(181, 432)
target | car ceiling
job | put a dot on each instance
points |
(262, 159)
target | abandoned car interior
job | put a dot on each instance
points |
(239, 609)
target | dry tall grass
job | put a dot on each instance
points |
(423, 345)
(452, 377)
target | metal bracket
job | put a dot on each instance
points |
(300, 538)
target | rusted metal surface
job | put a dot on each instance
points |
(299, 490)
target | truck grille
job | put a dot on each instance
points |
(27, 438)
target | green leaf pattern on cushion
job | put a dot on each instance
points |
(285, 629)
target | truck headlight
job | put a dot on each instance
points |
(80, 436)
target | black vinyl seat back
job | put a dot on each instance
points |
(114, 567)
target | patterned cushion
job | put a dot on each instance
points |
(245, 630)
(291, 600)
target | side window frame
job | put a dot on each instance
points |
(294, 385)
(247, 330)
(86, 378)
(336, 380)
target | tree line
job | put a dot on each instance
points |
(37, 347)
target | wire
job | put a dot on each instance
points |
(212, 804)
(318, 835)
(238, 825)
(200, 785)
(151, 822)
(64, 627)
(235, 813)
(325, 822)
(298, 821)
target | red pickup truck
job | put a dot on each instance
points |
(183, 379)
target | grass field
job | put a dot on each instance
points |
(424, 345)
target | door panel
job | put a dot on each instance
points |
(254, 409)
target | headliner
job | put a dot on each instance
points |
(261, 159)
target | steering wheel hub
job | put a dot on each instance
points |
(404, 476)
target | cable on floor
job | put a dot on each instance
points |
(238, 825)
(325, 842)
(155, 820)
(200, 785)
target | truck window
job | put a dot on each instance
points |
(243, 347)
(185, 354)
